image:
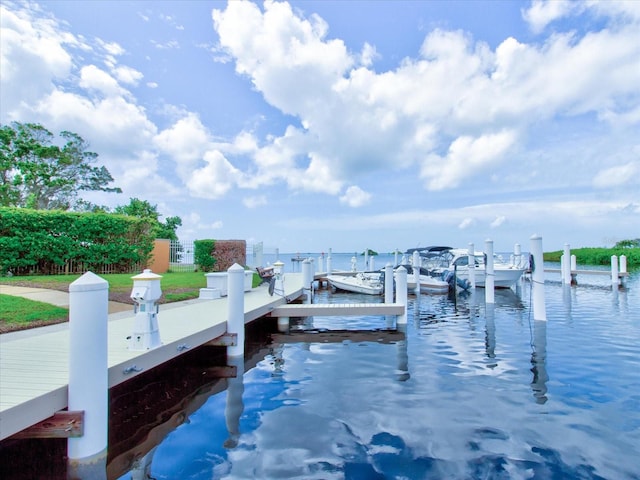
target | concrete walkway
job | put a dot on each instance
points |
(54, 297)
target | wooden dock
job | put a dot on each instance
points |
(34, 364)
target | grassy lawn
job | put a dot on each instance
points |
(18, 313)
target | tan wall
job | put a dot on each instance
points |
(159, 262)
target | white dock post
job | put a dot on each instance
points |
(517, 255)
(395, 258)
(623, 269)
(490, 278)
(537, 279)
(574, 268)
(366, 258)
(614, 271)
(372, 262)
(307, 280)
(415, 263)
(472, 265)
(388, 283)
(566, 273)
(401, 293)
(235, 320)
(329, 262)
(89, 374)
(354, 264)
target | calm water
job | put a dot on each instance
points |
(472, 392)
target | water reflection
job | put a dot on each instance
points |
(490, 337)
(539, 361)
(234, 406)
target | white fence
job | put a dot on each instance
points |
(181, 255)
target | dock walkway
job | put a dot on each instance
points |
(34, 364)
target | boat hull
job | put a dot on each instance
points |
(355, 284)
(503, 277)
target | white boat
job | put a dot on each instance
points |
(447, 261)
(429, 283)
(368, 283)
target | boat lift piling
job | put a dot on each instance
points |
(472, 265)
(537, 279)
(415, 261)
(401, 293)
(388, 283)
(489, 282)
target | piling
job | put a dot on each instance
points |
(401, 293)
(489, 282)
(566, 272)
(235, 320)
(415, 263)
(623, 269)
(614, 271)
(329, 262)
(89, 374)
(307, 280)
(388, 283)
(472, 265)
(537, 279)
(574, 268)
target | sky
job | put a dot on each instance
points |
(309, 125)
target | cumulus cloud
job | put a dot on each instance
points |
(355, 197)
(541, 12)
(356, 120)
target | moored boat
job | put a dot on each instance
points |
(447, 261)
(367, 283)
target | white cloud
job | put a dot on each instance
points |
(355, 197)
(128, 75)
(466, 223)
(499, 220)
(255, 201)
(543, 12)
(92, 78)
(214, 179)
(465, 157)
(627, 174)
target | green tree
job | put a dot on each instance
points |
(36, 173)
(143, 209)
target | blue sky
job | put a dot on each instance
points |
(310, 125)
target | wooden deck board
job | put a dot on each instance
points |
(34, 369)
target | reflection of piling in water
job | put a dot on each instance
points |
(490, 334)
(566, 301)
(539, 362)
(403, 357)
(235, 405)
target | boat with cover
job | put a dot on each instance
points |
(448, 261)
(362, 282)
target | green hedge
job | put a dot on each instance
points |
(203, 254)
(598, 256)
(50, 241)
